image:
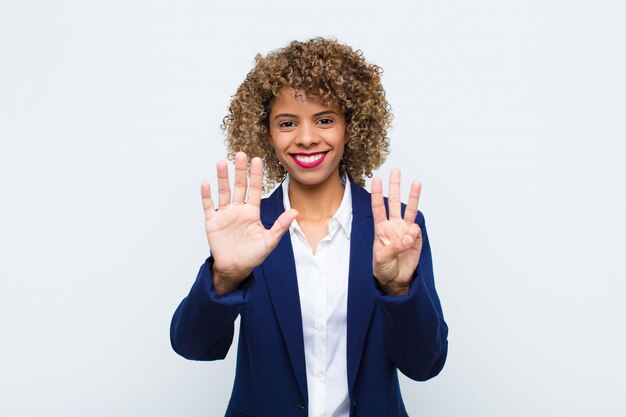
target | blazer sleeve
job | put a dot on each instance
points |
(416, 335)
(203, 325)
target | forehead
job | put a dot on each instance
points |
(297, 100)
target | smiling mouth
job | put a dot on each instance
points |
(308, 160)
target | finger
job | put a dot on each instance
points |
(394, 194)
(416, 233)
(241, 178)
(207, 201)
(223, 188)
(280, 226)
(387, 252)
(378, 204)
(256, 182)
(412, 257)
(410, 213)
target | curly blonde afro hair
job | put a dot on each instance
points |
(325, 71)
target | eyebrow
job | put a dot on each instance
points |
(295, 116)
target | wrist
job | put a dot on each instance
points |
(220, 287)
(395, 289)
(223, 284)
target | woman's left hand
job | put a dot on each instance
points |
(397, 241)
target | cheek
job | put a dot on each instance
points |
(276, 148)
(342, 139)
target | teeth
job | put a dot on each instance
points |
(309, 159)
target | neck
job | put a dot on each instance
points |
(318, 202)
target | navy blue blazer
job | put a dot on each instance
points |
(385, 333)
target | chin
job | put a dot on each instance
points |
(311, 178)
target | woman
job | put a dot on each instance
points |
(334, 286)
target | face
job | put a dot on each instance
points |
(308, 138)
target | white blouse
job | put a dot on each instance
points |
(323, 290)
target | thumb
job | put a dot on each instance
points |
(280, 226)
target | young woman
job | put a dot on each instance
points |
(334, 285)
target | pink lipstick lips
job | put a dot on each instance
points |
(308, 160)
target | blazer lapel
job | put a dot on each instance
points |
(361, 293)
(279, 269)
(280, 275)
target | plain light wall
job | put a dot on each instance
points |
(511, 113)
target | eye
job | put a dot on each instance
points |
(325, 121)
(286, 124)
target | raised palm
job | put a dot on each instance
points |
(238, 240)
(397, 240)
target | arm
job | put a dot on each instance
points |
(203, 324)
(416, 333)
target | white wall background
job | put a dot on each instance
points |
(511, 113)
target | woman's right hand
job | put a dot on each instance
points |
(237, 239)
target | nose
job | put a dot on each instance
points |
(307, 136)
